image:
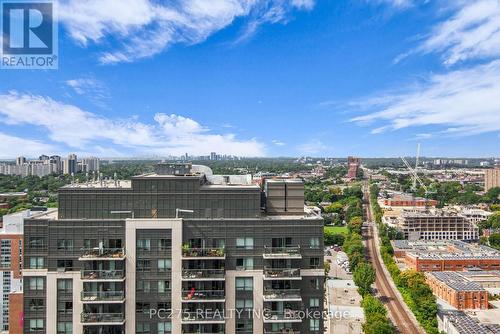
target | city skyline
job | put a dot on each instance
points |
(282, 78)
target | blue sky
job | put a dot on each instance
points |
(262, 78)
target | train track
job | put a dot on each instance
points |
(403, 322)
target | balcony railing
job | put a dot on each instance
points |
(203, 273)
(200, 295)
(204, 252)
(90, 296)
(291, 252)
(203, 316)
(282, 331)
(102, 274)
(87, 317)
(282, 316)
(282, 294)
(282, 273)
(102, 253)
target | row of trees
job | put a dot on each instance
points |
(376, 321)
(412, 285)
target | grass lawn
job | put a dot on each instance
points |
(336, 229)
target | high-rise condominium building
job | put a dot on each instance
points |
(71, 164)
(491, 178)
(176, 251)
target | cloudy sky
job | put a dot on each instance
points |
(262, 78)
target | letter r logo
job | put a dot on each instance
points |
(27, 28)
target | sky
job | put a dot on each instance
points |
(144, 78)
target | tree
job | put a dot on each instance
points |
(327, 267)
(331, 238)
(355, 224)
(372, 305)
(364, 277)
(495, 240)
(377, 324)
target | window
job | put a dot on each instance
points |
(65, 285)
(143, 265)
(36, 242)
(314, 262)
(164, 306)
(36, 325)
(143, 286)
(143, 328)
(36, 304)
(35, 283)
(244, 304)
(314, 302)
(244, 263)
(244, 243)
(89, 243)
(65, 244)
(144, 244)
(163, 286)
(142, 308)
(36, 262)
(65, 307)
(314, 324)
(65, 264)
(244, 326)
(64, 327)
(314, 243)
(164, 244)
(315, 283)
(244, 283)
(164, 265)
(164, 327)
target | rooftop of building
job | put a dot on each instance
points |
(468, 325)
(445, 249)
(456, 281)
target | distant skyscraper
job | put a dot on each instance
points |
(90, 164)
(43, 157)
(213, 156)
(20, 160)
(491, 178)
(71, 164)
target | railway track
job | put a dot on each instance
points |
(403, 322)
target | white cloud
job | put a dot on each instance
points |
(394, 3)
(278, 142)
(143, 28)
(14, 146)
(91, 88)
(464, 102)
(473, 31)
(76, 128)
(312, 147)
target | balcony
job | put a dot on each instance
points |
(90, 254)
(203, 317)
(102, 318)
(282, 252)
(282, 331)
(207, 296)
(105, 275)
(282, 274)
(281, 316)
(102, 296)
(203, 275)
(203, 253)
(276, 295)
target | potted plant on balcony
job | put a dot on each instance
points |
(185, 249)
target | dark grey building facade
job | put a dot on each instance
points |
(176, 251)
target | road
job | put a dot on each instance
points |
(397, 311)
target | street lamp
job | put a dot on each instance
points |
(177, 211)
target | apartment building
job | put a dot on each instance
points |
(177, 251)
(491, 178)
(436, 225)
(11, 244)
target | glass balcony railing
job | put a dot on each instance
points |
(282, 294)
(282, 252)
(89, 296)
(284, 316)
(281, 273)
(200, 295)
(203, 273)
(202, 316)
(102, 274)
(102, 253)
(87, 317)
(204, 252)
